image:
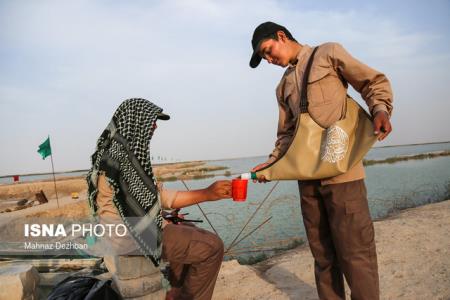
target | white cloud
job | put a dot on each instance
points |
(67, 65)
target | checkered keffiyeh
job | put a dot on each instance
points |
(123, 154)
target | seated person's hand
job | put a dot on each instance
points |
(169, 214)
(220, 189)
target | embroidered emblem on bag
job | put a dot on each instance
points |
(335, 146)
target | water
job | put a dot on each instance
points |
(242, 165)
(390, 187)
(388, 152)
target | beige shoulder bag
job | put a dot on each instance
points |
(316, 152)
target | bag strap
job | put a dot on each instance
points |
(304, 94)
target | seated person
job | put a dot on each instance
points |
(122, 188)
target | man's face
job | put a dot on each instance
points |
(275, 52)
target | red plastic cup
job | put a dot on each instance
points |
(239, 189)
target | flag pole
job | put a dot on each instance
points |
(54, 178)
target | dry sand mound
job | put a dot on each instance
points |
(413, 255)
(27, 190)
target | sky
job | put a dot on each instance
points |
(65, 66)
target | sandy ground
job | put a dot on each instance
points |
(413, 254)
(11, 193)
(65, 206)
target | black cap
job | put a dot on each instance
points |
(262, 32)
(163, 116)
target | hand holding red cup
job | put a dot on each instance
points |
(239, 189)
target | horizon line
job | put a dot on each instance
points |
(186, 161)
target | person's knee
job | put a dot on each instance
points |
(211, 245)
(217, 245)
(215, 249)
(325, 260)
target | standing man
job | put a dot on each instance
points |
(335, 210)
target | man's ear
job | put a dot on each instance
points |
(281, 36)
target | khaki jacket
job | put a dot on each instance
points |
(331, 72)
(109, 214)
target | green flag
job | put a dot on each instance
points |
(45, 149)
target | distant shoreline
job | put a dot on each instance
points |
(235, 158)
(391, 160)
(163, 172)
(430, 143)
(86, 170)
(390, 146)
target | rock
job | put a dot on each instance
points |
(18, 282)
(52, 278)
(104, 276)
(154, 296)
(22, 202)
(134, 276)
(41, 198)
(129, 267)
(138, 287)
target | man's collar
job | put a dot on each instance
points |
(301, 55)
